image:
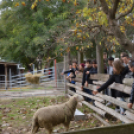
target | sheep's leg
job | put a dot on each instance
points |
(50, 131)
(49, 128)
(34, 128)
(67, 126)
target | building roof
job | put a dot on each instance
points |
(7, 62)
(12, 63)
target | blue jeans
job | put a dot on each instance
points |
(88, 91)
(71, 88)
(122, 110)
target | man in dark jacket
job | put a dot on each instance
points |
(93, 70)
(131, 101)
(88, 68)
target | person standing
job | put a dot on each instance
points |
(88, 68)
(80, 69)
(110, 92)
(93, 70)
(121, 56)
(119, 72)
(110, 72)
(126, 60)
(72, 74)
(131, 100)
(110, 66)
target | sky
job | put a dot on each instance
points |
(0, 2)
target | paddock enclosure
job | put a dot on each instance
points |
(101, 109)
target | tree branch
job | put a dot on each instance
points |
(104, 6)
(110, 33)
(115, 7)
(124, 14)
(93, 26)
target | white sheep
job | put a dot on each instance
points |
(51, 116)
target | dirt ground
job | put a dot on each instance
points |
(16, 115)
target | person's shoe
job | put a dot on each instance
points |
(108, 104)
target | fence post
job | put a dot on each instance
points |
(55, 72)
(33, 68)
(65, 68)
(10, 78)
(5, 83)
(79, 57)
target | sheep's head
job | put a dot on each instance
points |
(79, 98)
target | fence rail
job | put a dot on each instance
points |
(19, 80)
(100, 98)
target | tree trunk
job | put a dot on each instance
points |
(109, 53)
(69, 58)
(81, 57)
(114, 26)
(132, 55)
(99, 56)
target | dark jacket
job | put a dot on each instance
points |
(132, 93)
(71, 71)
(117, 79)
(92, 71)
(85, 76)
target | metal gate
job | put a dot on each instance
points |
(20, 80)
(17, 81)
(3, 82)
(60, 78)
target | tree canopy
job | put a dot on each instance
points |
(28, 33)
(48, 28)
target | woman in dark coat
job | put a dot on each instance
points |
(119, 72)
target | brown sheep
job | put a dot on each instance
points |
(51, 116)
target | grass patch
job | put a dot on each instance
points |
(18, 113)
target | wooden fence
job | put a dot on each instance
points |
(118, 129)
(100, 98)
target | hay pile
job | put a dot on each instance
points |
(33, 78)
